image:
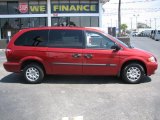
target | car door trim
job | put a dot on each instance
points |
(60, 63)
(84, 64)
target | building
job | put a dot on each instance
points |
(20, 14)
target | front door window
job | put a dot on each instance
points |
(98, 41)
(99, 58)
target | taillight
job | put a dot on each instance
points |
(8, 52)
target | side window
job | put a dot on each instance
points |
(65, 38)
(33, 38)
(98, 41)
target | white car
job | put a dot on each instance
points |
(134, 33)
(157, 35)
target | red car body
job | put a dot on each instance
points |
(76, 61)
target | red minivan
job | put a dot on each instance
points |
(75, 51)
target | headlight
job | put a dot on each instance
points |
(152, 59)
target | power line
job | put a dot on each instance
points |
(134, 10)
(126, 9)
(139, 1)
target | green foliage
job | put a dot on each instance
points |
(124, 27)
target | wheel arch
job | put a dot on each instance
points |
(133, 61)
(26, 62)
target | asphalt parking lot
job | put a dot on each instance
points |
(81, 97)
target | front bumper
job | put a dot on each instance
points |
(151, 68)
(12, 67)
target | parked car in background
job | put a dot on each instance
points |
(147, 33)
(152, 34)
(141, 34)
(36, 52)
(157, 35)
(134, 34)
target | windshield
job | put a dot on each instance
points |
(124, 44)
(119, 41)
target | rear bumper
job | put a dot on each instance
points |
(12, 67)
(151, 68)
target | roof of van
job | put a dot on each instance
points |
(65, 28)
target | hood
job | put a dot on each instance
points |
(141, 52)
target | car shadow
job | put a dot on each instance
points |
(59, 79)
(13, 78)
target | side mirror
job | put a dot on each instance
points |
(115, 47)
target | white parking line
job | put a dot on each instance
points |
(65, 118)
(78, 118)
(73, 118)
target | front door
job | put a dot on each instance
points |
(99, 58)
(65, 51)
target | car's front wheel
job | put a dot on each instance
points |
(133, 73)
(33, 73)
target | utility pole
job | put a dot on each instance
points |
(150, 23)
(146, 22)
(119, 18)
(155, 23)
(131, 23)
(136, 21)
(116, 24)
(111, 22)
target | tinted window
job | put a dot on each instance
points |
(98, 41)
(12, 7)
(33, 38)
(65, 38)
(3, 8)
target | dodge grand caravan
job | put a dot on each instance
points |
(75, 51)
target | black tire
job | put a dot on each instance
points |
(31, 71)
(133, 73)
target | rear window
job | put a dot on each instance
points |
(65, 38)
(33, 38)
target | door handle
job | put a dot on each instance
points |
(88, 56)
(76, 55)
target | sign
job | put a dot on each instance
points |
(59, 8)
(75, 8)
(9, 33)
(8, 36)
(37, 8)
(23, 7)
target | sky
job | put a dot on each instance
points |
(146, 11)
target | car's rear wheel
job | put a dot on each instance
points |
(133, 73)
(33, 73)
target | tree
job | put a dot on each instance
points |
(124, 27)
(119, 18)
